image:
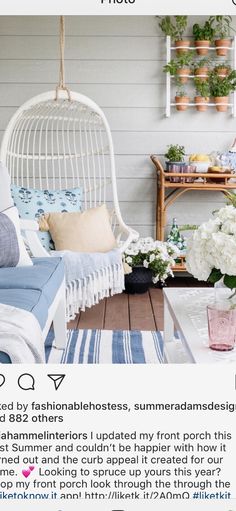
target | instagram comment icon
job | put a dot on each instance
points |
(2, 380)
(26, 382)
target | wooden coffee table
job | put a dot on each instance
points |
(185, 312)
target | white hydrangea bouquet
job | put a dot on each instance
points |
(157, 256)
(211, 252)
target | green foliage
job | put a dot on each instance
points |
(167, 26)
(203, 33)
(159, 267)
(223, 65)
(220, 87)
(181, 25)
(229, 280)
(175, 153)
(188, 227)
(202, 88)
(231, 196)
(171, 67)
(221, 26)
(174, 26)
(181, 91)
(214, 276)
(204, 62)
(181, 61)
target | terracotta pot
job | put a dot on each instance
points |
(222, 52)
(184, 71)
(200, 50)
(222, 73)
(223, 99)
(201, 103)
(185, 45)
(179, 100)
(202, 71)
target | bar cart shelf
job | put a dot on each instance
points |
(168, 192)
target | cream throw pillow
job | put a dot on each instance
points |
(89, 231)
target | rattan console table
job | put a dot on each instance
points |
(168, 192)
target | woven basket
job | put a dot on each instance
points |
(138, 281)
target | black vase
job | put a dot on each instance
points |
(138, 281)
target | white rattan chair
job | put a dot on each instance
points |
(64, 143)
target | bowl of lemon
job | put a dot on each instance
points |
(201, 162)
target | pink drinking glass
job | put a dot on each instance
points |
(221, 328)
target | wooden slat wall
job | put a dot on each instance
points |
(118, 62)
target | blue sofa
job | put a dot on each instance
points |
(35, 289)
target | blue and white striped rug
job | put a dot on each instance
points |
(107, 347)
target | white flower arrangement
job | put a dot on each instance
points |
(157, 256)
(211, 252)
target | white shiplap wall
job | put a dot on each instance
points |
(118, 62)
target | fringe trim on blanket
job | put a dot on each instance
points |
(90, 290)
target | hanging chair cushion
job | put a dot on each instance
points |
(32, 204)
(12, 248)
(89, 231)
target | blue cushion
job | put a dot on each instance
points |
(32, 203)
(30, 300)
(32, 288)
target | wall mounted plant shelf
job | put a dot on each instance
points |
(170, 103)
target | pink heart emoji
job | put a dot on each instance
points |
(26, 473)
(32, 467)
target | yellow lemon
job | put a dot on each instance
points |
(201, 157)
(216, 168)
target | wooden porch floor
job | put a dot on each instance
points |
(129, 312)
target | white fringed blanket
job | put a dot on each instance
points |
(20, 336)
(90, 277)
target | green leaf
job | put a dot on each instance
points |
(230, 281)
(214, 276)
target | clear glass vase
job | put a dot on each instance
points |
(222, 319)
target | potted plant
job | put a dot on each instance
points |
(220, 88)
(174, 26)
(202, 94)
(175, 163)
(181, 97)
(181, 25)
(146, 262)
(181, 67)
(203, 35)
(175, 155)
(223, 69)
(222, 28)
(202, 68)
